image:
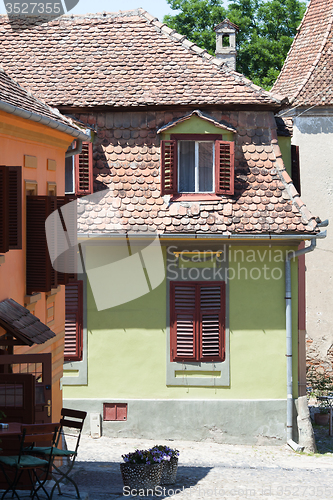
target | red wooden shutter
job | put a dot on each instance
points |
(4, 210)
(74, 321)
(38, 264)
(295, 168)
(183, 322)
(212, 322)
(15, 207)
(84, 170)
(197, 327)
(168, 167)
(224, 167)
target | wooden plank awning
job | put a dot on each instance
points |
(22, 325)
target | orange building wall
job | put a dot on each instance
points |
(20, 137)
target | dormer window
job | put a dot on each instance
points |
(197, 163)
(196, 166)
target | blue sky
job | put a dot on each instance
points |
(157, 8)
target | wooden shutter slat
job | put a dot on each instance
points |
(38, 267)
(15, 207)
(210, 327)
(212, 298)
(197, 321)
(54, 241)
(224, 167)
(185, 336)
(84, 170)
(73, 321)
(4, 210)
(183, 327)
(168, 167)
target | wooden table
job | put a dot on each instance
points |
(14, 429)
(329, 401)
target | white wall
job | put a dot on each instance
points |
(313, 133)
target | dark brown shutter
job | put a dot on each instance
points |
(15, 207)
(4, 210)
(295, 168)
(74, 321)
(224, 167)
(168, 167)
(183, 325)
(54, 273)
(211, 322)
(84, 170)
(38, 263)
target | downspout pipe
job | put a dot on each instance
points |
(76, 151)
(289, 355)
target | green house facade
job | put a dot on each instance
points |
(184, 321)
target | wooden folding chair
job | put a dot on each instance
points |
(71, 425)
(38, 469)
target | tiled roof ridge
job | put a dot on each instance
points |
(53, 111)
(187, 44)
(298, 203)
(316, 60)
(192, 47)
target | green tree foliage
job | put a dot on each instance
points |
(267, 29)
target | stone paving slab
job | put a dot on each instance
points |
(208, 470)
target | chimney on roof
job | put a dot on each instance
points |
(226, 42)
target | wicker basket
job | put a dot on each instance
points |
(169, 471)
(141, 475)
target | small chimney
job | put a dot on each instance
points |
(226, 42)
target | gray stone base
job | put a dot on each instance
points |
(221, 421)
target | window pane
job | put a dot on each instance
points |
(205, 166)
(69, 175)
(187, 166)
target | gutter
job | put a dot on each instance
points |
(44, 120)
(288, 296)
(203, 236)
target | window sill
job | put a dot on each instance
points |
(195, 197)
(53, 291)
(32, 299)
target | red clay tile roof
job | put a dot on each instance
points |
(13, 94)
(122, 59)
(307, 76)
(21, 324)
(265, 199)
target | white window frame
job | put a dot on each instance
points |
(196, 166)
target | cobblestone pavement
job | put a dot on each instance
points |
(208, 471)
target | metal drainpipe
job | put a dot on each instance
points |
(288, 297)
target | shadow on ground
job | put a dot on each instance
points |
(104, 480)
(324, 442)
